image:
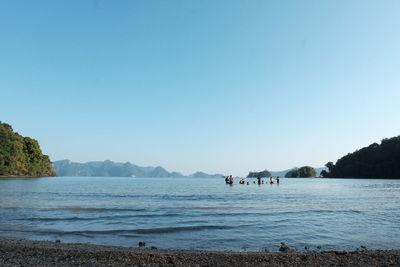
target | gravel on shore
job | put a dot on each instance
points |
(45, 253)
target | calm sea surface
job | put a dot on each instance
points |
(204, 214)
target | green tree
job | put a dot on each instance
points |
(330, 166)
(374, 161)
(21, 156)
(303, 172)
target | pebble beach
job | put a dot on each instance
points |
(15, 252)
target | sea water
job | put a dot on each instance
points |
(204, 213)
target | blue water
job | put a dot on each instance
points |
(204, 214)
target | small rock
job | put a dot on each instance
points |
(153, 247)
(303, 257)
(142, 244)
(318, 247)
(284, 247)
(58, 241)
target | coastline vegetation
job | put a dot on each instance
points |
(21, 156)
(303, 172)
(375, 161)
(261, 174)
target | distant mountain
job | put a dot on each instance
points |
(159, 172)
(109, 168)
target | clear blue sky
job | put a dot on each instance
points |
(218, 86)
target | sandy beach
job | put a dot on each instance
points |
(46, 253)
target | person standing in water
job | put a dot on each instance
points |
(259, 180)
(277, 180)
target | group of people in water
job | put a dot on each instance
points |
(229, 180)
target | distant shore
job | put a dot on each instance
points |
(22, 176)
(15, 252)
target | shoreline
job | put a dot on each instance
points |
(23, 176)
(16, 252)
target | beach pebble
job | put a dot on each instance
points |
(58, 241)
(42, 253)
(284, 247)
(142, 244)
(303, 257)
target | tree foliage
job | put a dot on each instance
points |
(21, 156)
(303, 172)
(375, 161)
(264, 173)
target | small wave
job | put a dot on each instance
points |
(319, 212)
(179, 229)
(44, 219)
(123, 231)
(84, 209)
(337, 211)
(154, 215)
(276, 213)
(47, 219)
(10, 208)
(76, 209)
(205, 208)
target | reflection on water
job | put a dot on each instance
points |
(189, 213)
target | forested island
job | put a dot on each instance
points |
(261, 174)
(21, 156)
(375, 161)
(303, 172)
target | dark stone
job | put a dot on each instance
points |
(284, 247)
(303, 257)
(58, 241)
(142, 244)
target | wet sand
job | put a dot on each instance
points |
(45, 253)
